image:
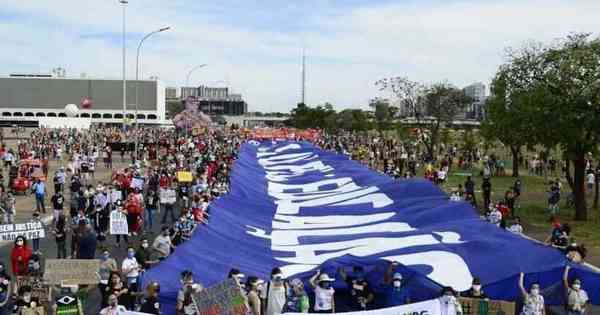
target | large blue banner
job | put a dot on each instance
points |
(297, 207)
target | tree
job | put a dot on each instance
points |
(561, 101)
(384, 113)
(507, 112)
(431, 107)
(174, 108)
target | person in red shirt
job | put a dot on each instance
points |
(503, 209)
(19, 256)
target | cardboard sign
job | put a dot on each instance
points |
(72, 271)
(118, 223)
(225, 298)
(184, 177)
(30, 230)
(38, 289)
(483, 307)
(40, 310)
(168, 196)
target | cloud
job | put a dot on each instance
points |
(256, 46)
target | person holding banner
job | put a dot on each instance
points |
(324, 293)
(395, 294)
(113, 308)
(577, 298)
(297, 301)
(150, 304)
(533, 303)
(449, 304)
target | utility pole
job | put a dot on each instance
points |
(303, 77)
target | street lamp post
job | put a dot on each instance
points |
(124, 5)
(137, 73)
(187, 78)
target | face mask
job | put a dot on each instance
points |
(477, 287)
(397, 284)
(325, 285)
(130, 254)
(576, 286)
(535, 292)
(106, 256)
(19, 243)
(144, 245)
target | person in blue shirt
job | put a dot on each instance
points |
(40, 193)
(395, 294)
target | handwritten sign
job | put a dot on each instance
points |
(483, 307)
(72, 271)
(30, 230)
(116, 195)
(118, 223)
(168, 196)
(222, 299)
(39, 290)
(184, 177)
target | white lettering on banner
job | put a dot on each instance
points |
(287, 158)
(429, 307)
(292, 237)
(290, 228)
(292, 222)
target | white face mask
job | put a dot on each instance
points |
(397, 284)
(27, 298)
(19, 243)
(477, 287)
(535, 292)
(577, 286)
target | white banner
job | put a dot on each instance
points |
(137, 183)
(30, 230)
(430, 307)
(118, 223)
(168, 196)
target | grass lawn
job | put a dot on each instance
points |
(532, 206)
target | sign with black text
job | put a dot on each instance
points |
(118, 223)
(225, 298)
(30, 230)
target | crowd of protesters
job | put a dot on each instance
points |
(142, 190)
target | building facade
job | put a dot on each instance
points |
(216, 100)
(26, 99)
(478, 93)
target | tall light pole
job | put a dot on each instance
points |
(187, 78)
(137, 73)
(124, 5)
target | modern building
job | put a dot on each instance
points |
(171, 93)
(478, 92)
(24, 99)
(215, 101)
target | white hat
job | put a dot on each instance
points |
(325, 278)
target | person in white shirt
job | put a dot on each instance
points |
(113, 307)
(131, 269)
(275, 293)
(162, 244)
(516, 227)
(591, 180)
(324, 293)
(495, 216)
(449, 304)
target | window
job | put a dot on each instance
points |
(7, 114)
(51, 115)
(18, 114)
(29, 114)
(130, 116)
(152, 117)
(85, 115)
(107, 116)
(62, 115)
(118, 116)
(96, 115)
(141, 116)
(40, 115)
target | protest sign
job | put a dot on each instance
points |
(30, 230)
(168, 196)
(39, 290)
(72, 271)
(116, 195)
(137, 183)
(39, 310)
(224, 299)
(486, 307)
(429, 307)
(118, 223)
(184, 177)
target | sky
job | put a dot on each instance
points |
(255, 46)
